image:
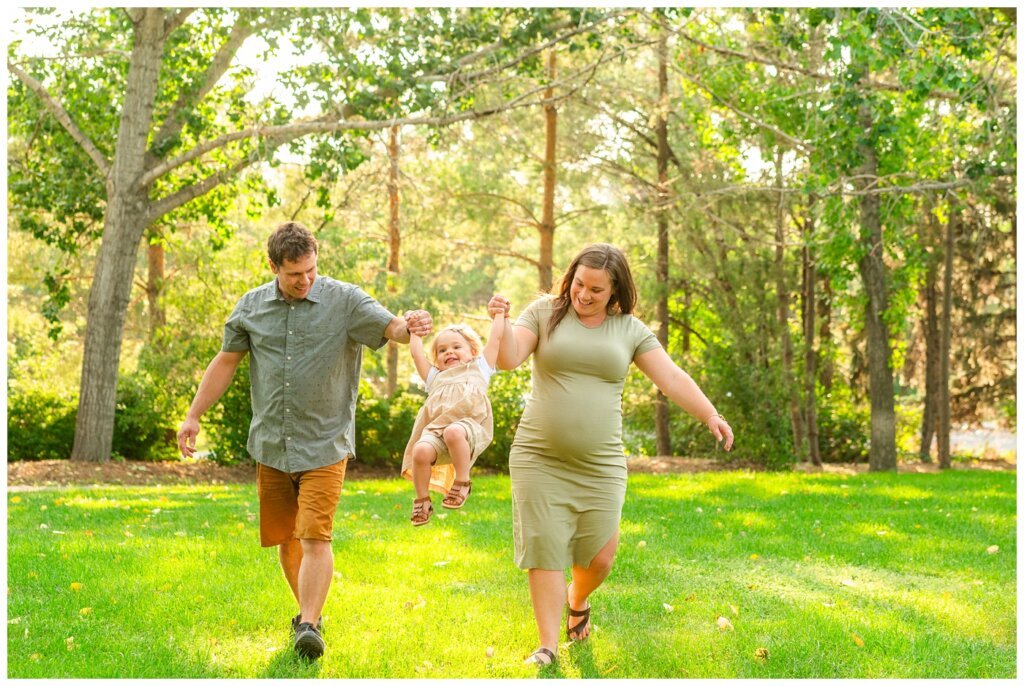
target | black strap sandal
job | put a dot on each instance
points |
(541, 657)
(575, 633)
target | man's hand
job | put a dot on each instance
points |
(419, 322)
(187, 437)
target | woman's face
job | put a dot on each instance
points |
(590, 291)
(451, 349)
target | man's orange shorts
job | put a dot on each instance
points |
(298, 505)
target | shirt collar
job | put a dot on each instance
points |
(274, 292)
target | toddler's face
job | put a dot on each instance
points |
(452, 349)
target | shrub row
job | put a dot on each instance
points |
(41, 425)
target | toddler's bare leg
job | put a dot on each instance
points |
(423, 456)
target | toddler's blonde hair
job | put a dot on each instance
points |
(464, 330)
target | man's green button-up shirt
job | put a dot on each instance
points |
(304, 365)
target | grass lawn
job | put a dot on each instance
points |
(820, 576)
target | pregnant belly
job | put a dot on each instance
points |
(567, 429)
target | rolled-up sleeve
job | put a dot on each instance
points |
(236, 337)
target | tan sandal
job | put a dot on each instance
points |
(422, 509)
(542, 657)
(456, 496)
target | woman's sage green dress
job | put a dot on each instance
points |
(567, 466)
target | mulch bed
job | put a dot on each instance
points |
(48, 473)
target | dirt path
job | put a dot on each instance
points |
(50, 473)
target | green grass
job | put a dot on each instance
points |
(867, 576)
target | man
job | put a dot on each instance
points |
(305, 335)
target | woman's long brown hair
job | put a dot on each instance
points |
(598, 256)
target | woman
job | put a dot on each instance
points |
(567, 466)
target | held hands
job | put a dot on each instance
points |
(721, 430)
(187, 437)
(419, 322)
(498, 304)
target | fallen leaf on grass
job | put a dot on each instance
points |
(641, 544)
(70, 642)
(441, 563)
(35, 657)
(668, 608)
(857, 639)
(692, 597)
(409, 605)
(85, 611)
(992, 549)
(489, 652)
(724, 624)
(761, 654)
(735, 610)
(847, 582)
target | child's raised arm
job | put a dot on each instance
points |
(419, 357)
(494, 339)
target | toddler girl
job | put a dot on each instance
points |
(455, 424)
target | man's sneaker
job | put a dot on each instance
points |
(308, 642)
(297, 618)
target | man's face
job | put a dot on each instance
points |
(295, 278)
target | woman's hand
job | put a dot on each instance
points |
(721, 430)
(498, 304)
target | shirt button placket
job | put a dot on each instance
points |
(289, 352)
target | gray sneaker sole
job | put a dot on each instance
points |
(309, 645)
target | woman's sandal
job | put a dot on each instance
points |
(422, 509)
(575, 632)
(541, 657)
(455, 499)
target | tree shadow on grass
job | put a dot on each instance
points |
(287, 665)
(582, 655)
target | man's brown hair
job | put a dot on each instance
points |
(290, 241)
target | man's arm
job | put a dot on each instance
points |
(216, 380)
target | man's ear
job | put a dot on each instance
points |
(273, 267)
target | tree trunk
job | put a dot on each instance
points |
(782, 298)
(882, 455)
(394, 250)
(123, 227)
(661, 428)
(932, 357)
(825, 344)
(155, 285)
(547, 226)
(810, 276)
(945, 342)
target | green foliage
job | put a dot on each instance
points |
(384, 425)
(228, 421)
(40, 424)
(144, 421)
(508, 393)
(844, 426)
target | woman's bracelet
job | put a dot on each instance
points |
(722, 416)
